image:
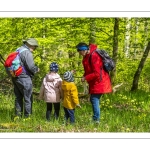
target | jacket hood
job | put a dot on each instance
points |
(67, 85)
(51, 76)
(92, 47)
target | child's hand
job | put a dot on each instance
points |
(73, 71)
(83, 79)
(78, 105)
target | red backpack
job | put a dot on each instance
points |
(13, 64)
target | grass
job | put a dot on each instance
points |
(120, 112)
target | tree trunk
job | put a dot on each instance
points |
(146, 31)
(127, 37)
(135, 37)
(140, 67)
(115, 48)
(92, 36)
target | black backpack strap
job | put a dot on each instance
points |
(91, 56)
(90, 64)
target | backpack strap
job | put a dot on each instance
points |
(20, 50)
(91, 56)
(101, 68)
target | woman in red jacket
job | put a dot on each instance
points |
(94, 74)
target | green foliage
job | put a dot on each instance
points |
(57, 38)
(120, 112)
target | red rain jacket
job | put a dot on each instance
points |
(98, 79)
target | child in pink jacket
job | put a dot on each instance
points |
(51, 91)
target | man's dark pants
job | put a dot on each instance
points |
(23, 94)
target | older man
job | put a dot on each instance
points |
(23, 82)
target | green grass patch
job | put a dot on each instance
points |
(120, 112)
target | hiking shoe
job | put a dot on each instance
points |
(97, 122)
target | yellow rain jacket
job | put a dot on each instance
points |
(70, 95)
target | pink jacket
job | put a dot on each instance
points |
(50, 89)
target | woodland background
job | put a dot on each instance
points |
(127, 40)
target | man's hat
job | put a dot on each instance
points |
(31, 41)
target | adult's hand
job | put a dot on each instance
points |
(82, 79)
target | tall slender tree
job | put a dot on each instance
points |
(140, 67)
(115, 47)
(92, 36)
(127, 36)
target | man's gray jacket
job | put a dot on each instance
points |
(27, 61)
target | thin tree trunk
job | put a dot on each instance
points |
(146, 31)
(135, 36)
(140, 67)
(127, 37)
(115, 48)
(92, 37)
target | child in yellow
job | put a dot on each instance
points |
(70, 96)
